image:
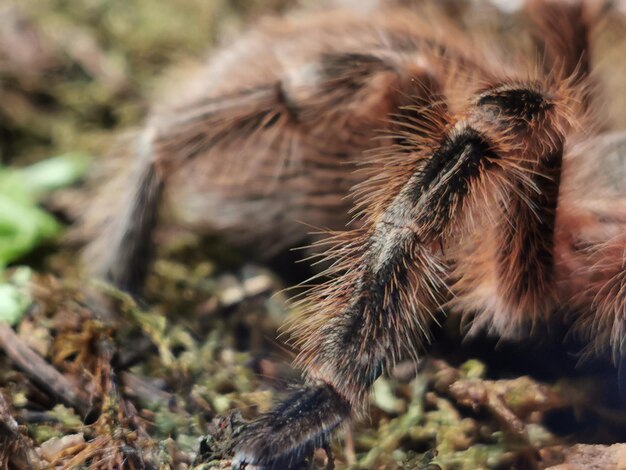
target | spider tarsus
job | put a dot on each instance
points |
(288, 434)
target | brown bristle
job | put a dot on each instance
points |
(471, 179)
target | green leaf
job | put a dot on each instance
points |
(54, 173)
(23, 224)
(22, 227)
(14, 297)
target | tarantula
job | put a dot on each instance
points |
(481, 182)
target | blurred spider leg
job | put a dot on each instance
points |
(122, 251)
(603, 253)
(592, 244)
(255, 147)
(610, 300)
(562, 34)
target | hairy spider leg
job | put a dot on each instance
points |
(389, 276)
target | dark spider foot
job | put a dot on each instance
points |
(217, 444)
(289, 434)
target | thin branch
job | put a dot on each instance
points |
(42, 373)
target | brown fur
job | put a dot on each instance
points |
(478, 189)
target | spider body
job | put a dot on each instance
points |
(481, 185)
